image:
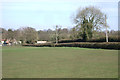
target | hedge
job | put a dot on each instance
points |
(104, 45)
(103, 39)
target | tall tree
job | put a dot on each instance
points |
(88, 20)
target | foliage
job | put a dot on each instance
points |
(88, 20)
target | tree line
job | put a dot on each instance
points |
(89, 24)
(30, 35)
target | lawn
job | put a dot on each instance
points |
(59, 62)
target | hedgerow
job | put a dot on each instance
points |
(103, 45)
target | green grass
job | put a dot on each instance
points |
(50, 62)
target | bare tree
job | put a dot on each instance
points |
(43, 35)
(10, 34)
(88, 20)
(57, 33)
(4, 33)
(28, 35)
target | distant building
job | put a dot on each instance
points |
(20, 42)
(2, 41)
(9, 42)
(41, 42)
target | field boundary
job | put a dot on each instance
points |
(103, 45)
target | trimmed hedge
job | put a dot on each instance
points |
(69, 41)
(104, 45)
(103, 39)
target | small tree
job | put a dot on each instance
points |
(57, 33)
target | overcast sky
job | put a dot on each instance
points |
(45, 14)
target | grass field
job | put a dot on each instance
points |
(59, 62)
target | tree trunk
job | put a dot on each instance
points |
(106, 29)
(56, 35)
